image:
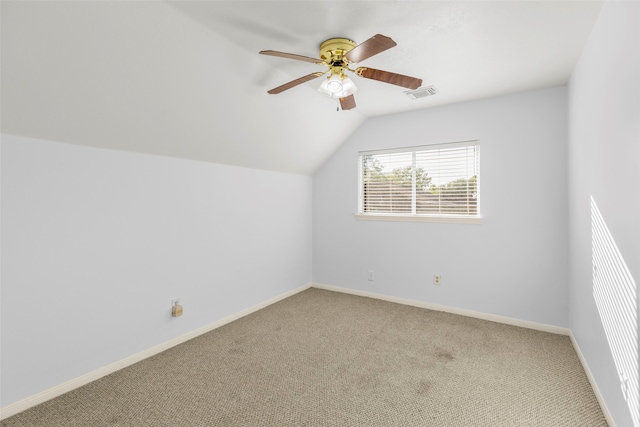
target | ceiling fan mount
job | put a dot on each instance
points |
(336, 54)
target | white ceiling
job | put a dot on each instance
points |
(184, 78)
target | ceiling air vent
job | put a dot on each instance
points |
(421, 92)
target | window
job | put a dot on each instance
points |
(434, 182)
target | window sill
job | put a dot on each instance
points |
(420, 218)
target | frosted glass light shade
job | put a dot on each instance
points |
(337, 87)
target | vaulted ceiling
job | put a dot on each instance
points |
(184, 78)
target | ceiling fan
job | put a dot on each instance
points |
(337, 54)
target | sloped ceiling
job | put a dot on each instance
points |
(184, 78)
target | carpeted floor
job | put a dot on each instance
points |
(321, 358)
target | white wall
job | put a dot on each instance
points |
(514, 264)
(96, 244)
(604, 159)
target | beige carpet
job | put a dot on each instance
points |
(322, 358)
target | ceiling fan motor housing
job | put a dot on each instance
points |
(332, 51)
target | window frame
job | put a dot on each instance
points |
(415, 217)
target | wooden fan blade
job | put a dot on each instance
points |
(348, 102)
(367, 49)
(291, 56)
(294, 83)
(388, 77)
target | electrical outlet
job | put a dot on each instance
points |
(370, 276)
(437, 279)
(624, 384)
(176, 308)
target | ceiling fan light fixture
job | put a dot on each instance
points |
(337, 86)
(334, 84)
(331, 85)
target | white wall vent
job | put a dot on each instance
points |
(421, 92)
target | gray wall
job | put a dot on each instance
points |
(514, 264)
(604, 160)
(96, 244)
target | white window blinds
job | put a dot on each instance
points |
(431, 180)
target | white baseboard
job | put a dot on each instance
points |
(469, 313)
(67, 386)
(592, 381)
